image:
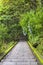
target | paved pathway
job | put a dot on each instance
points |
(20, 55)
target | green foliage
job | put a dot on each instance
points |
(33, 23)
(23, 23)
(3, 32)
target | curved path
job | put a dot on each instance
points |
(21, 54)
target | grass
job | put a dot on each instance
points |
(36, 54)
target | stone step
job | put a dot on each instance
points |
(20, 60)
(19, 63)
